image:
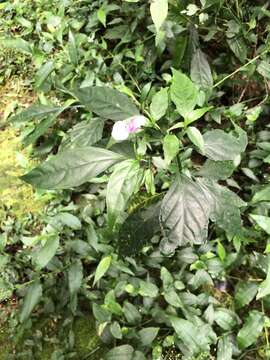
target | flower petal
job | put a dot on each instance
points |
(120, 131)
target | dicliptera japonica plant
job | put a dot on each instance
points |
(123, 151)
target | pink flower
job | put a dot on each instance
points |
(122, 129)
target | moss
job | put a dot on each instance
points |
(5, 343)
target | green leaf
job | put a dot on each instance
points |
(196, 138)
(102, 268)
(167, 278)
(106, 102)
(33, 296)
(238, 47)
(40, 129)
(148, 289)
(185, 212)
(225, 318)
(17, 44)
(264, 69)
(68, 220)
(123, 352)
(197, 339)
(115, 329)
(262, 195)
(184, 93)
(35, 112)
(72, 48)
(131, 313)
(159, 12)
(221, 251)
(159, 104)
(85, 133)
(101, 313)
(171, 147)
(47, 252)
(225, 348)
(220, 146)
(43, 73)
(251, 330)
(124, 182)
(75, 277)
(196, 114)
(148, 335)
(245, 293)
(264, 288)
(200, 72)
(173, 298)
(101, 16)
(262, 221)
(217, 170)
(72, 167)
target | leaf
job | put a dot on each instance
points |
(106, 102)
(225, 318)
(200, 72)
(131, 313)
(18, 44)
(238, 47)
(184, 213)
(123, 352)
(217, 170)
(43, 73)
(72, 167)
(167, 278)
(148, 335)
(69, 220)
(39, 130)
(262, 195)
(35, 112)
(225, 348)
(184, 93)
(123, 183)
(245, 293)
(196, 138)
(196, 339)
(47, 252)
(262, 221)
(101, 16)
(264, 288)
(85, 133)
(33, 295)
(115, 329)
(159, 12)
(251, 330)
(221, 251)
(75, 277)
(101, 313)
(220, 146)
(264, 69)
(72, 48)
(171, 147)
(159, 104)
(196, 114)
(102, 268)
(131, 236)
(148, 289)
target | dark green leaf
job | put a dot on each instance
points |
(131, 313)
(200, 71)
(75, 277)
(47, 252)
(217, 170)
(43, 73)
(245, 293)
(147, 335)
(159, 104)
(35, 112)
(106, 102)
(238, 47)
(123, 352)
(251, 330)
(72, 168)
(33, 296)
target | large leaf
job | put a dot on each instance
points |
(36, 111)
(39, 130)
(123, 183)
(85, 133)
(245, 293)
(184, 93)
(123, 352)
(251, 330)
(219, 145)
(33, 295)
(159, 12)
(72, 168)
(200, 71)
(43, 73)
(185, 212)
(17, 44)
(239, 47)
(217, 170)
(159, 104)
(47, 252)
(225, 348)
(262, 221)
(106, 102)
(196, 339)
